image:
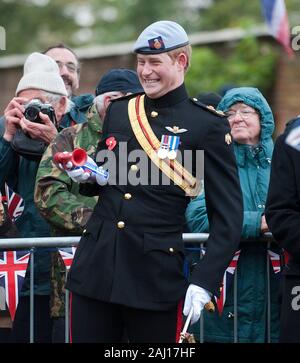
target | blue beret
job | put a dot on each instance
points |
(161, 37)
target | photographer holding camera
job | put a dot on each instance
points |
(41, 96)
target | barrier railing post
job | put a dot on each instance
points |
(268, 296)
(67, 313)
(31, 297)
(235, 308)
(201, 326)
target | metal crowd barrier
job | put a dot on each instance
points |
(191, 238)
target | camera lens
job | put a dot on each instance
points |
(32, 113)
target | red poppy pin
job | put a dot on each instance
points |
(111, 143)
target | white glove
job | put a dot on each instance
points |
(97, 173)
(89, 172)
(78, 175)
(196, 297)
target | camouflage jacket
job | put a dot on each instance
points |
(57, 196)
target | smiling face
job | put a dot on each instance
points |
(68, 68)
(159, 74)
(244, 121)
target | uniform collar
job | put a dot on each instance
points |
(177, 95)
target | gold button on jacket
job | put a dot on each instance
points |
(121, 224)
(134, 168)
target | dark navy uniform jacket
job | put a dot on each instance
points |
(283, 202)
(132, 251)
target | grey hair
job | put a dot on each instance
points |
(54, 99)
(99, 100)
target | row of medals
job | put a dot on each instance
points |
(164, 150)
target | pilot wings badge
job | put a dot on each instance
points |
(175, 129)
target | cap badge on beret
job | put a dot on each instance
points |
(156, 43)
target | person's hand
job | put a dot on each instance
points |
(78, 175)
(13, 115)
(45, 131)
(264, 227)
(196, 297)
(89, 172)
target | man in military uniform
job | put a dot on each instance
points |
(283, 218)
(57, 196)
(128, 268)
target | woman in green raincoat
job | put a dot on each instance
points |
(252, 124)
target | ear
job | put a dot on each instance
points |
(182, 60)
(102, 111)
(107, 101)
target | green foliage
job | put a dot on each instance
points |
(238, 13)
(30, 27)
(128, 17)
(249, 63)
(35, 24)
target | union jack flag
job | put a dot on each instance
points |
(67, 254)
(15, 203)
(227, 282)
(13, 265)
(275, 261)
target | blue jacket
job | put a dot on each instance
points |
(254, 171)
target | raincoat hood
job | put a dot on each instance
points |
(253, 97)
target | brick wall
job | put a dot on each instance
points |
(92, 70)
(286, 93)
(9, 78)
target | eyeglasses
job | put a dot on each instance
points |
(245, 114)
(71, 67)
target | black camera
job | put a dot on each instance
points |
(22, 143)
(34, 107)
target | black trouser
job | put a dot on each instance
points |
(42, 321)
(58, 330)
(290, 310)
(94, 321)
